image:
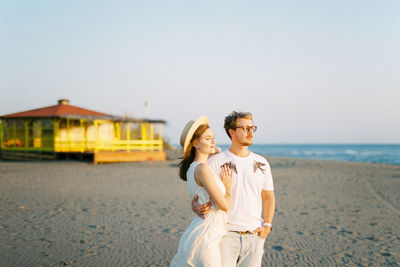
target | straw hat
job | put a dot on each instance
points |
(189, 129)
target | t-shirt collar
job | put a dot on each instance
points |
(240, 158)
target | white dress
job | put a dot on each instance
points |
(200, 243)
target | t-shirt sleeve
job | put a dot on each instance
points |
(268, 182)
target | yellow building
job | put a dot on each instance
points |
(65, 130)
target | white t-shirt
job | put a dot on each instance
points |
(253, 174)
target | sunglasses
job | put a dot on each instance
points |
(247, 129)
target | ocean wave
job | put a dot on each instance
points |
(351, 152)
(387, 154)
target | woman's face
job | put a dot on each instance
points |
(206, 143)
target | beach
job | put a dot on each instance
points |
(57, 213)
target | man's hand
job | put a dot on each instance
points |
(200, 210)
(263, 231)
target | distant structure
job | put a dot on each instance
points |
(64, 130)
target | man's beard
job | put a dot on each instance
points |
(246, 143)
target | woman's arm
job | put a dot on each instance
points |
(204, 176)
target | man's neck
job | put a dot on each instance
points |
(239, 150)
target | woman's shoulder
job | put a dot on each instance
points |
(201, 167)
(201, 173)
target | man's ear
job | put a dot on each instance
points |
(231, 132)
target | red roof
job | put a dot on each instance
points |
(63, 109)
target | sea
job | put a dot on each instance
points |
(376, 153)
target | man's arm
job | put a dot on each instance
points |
(200, 210)
(268, 202)
(268, 209)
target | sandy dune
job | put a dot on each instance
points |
(132, 214)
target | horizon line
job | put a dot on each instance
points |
(300, 144)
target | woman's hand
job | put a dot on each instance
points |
(226, 178)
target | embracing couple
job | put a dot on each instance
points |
(233, 196)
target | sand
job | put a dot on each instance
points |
(132, 214)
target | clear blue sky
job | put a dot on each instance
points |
(309, 71)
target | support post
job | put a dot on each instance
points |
(26, 128)
(68, 137)
(128, 136)
(2, 134)
(160, 136)
(15, 133)
(144, 135)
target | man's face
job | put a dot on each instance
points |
(243, 133)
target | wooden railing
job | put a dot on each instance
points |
(116, 145)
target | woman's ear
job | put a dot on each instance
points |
(196, 144)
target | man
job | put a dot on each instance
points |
(253, 201)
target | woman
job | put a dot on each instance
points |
(200, 243)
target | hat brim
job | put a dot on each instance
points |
(190, 128)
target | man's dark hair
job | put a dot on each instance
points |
(231, 119)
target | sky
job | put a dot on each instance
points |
(309, 71)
